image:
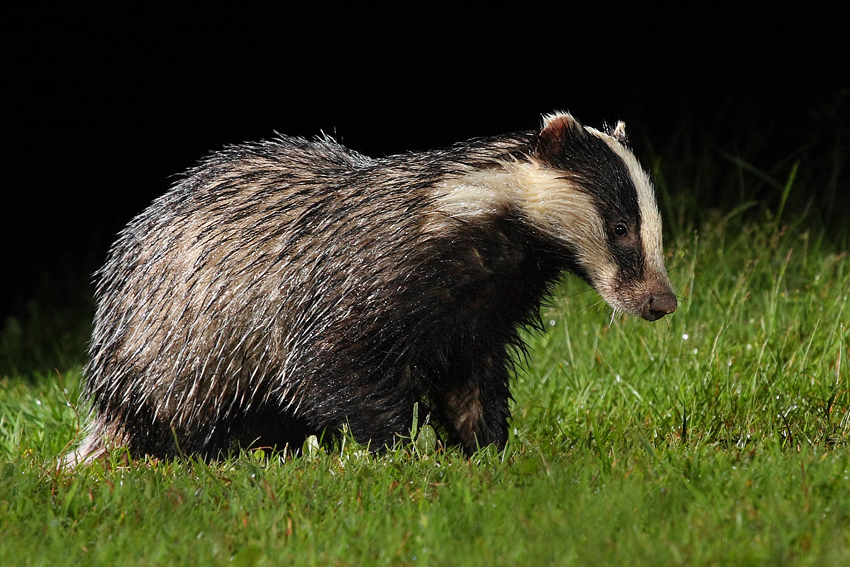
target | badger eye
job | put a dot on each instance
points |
(621, 230)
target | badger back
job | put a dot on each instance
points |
(241, 273)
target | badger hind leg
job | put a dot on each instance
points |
(378, 411)
(383, 425)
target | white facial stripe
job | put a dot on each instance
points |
(559, 209)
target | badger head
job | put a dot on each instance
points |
(591, 194)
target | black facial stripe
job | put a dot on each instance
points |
(627, 250)
(629, 259)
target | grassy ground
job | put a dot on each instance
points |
(716, 436)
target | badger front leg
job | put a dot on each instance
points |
(474, 404)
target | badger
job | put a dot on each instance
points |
(294, 286)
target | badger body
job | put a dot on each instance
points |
(292, 286)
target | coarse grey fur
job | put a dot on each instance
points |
(292, 286)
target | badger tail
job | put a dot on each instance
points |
(97, 443)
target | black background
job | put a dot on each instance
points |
(102, 109)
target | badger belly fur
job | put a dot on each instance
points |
(292, 286)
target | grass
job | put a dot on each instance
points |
(716, 436)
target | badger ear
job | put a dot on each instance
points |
(557, 129)
(619, 133)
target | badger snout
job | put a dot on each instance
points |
(658, 305)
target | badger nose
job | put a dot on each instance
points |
(658, 305)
